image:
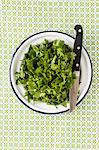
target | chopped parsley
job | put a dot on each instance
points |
(46, 72)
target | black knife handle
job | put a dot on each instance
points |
(78, 47)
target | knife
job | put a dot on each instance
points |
(76, 67)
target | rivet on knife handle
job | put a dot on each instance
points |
(76, 67)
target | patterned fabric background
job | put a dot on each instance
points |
(22, 128)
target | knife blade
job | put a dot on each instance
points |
(76, 67)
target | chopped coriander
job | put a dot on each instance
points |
(46, 72)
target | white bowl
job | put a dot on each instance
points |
(86, 70)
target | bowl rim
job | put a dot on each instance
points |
(11, 66)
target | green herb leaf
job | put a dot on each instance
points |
(46, 72)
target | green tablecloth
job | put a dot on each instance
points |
(22, 128)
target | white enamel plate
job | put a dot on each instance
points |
(86, 70)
